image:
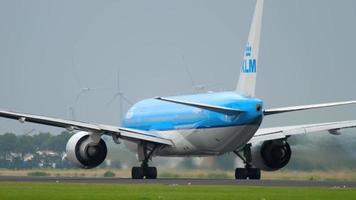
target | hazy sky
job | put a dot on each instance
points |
(50, 50)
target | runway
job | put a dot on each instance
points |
(171, 181)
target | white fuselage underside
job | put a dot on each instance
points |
(205, 141)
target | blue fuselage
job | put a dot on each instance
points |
(157, 115)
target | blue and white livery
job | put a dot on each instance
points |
(196, 125)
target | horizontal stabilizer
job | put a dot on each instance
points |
(305, 107)
(219, 109)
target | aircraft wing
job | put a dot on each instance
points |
(124, 133)
(305, 107)
(286, 131)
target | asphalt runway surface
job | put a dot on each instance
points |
(171, 181)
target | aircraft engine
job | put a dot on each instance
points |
(84, 152)
(271, 155)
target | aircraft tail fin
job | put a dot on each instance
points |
(247, 80)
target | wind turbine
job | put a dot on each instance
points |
(120, 95)
(197, 88)
(82, 91)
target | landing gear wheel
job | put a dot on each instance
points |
(141, 172)
(137, 173)
(241, 173)
(151, 173)
(250, 173)
(254, 174)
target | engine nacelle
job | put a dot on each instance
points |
(271, 155)
(84, 151)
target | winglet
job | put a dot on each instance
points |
(247, 80)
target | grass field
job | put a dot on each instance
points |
(66, 191)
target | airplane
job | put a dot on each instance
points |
(207, 124)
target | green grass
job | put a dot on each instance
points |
(37, 173)
(64, 191)
(109, 174)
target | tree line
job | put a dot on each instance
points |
(32, 151)
(45, 150)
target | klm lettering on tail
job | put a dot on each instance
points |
(249, 66)
(249, 63)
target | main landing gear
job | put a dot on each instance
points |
(144, 171)
(248, 171)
